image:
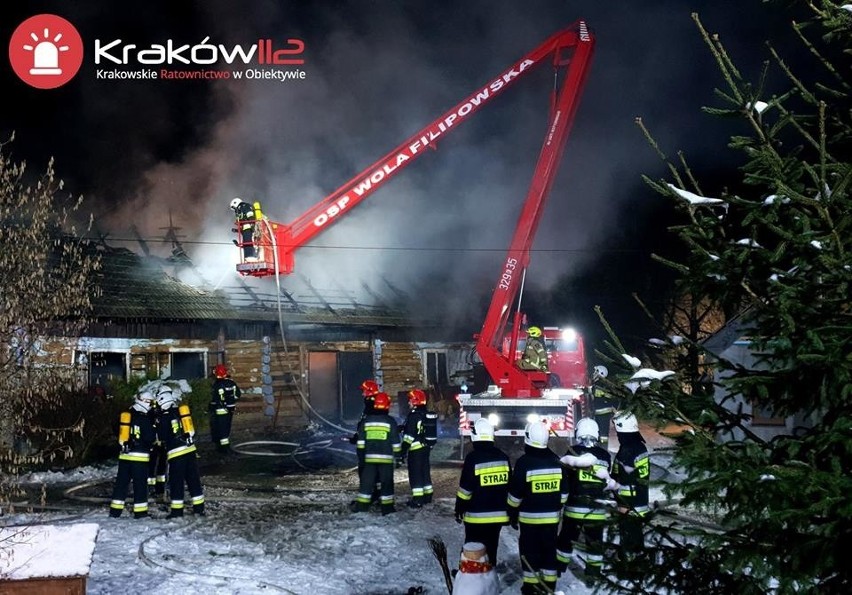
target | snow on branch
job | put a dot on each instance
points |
(758, 106)
(694, 199)
(642, 378)
(633, 361)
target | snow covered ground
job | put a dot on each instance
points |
(288, 534)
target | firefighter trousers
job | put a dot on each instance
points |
(157, 469)
(183, 469)
(371, 474)
(428, 490)
(537, 545)
(630, 531)
(220, 427)
(137, 472)
(375, 496)
(419, 476)
(247, 234)
(590, 551)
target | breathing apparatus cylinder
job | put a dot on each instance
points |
(186, 420)
(124, 427)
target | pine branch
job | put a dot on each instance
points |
(642, 306)
(652, 141)
(688, 171)
(669, 263)
(820, 58)
(729, 72)
(806, 95)
(613, 337)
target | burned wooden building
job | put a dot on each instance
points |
(296, 360)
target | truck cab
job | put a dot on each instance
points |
(566, 356)
(558, 406)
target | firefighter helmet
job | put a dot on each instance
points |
(536, 434)
(534, 332)
(369, 388)
(416, 397)
(220, 371)
(482, 430)
(587, 428)
(381, 402)
(625, 422)
(600, 372)
(144, 401)
(236, 202)
(166, 398)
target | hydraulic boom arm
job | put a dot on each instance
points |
(572, 51)
(276, 242)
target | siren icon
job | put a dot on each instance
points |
(46, 54)
(46, 51)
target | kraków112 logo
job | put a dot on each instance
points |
(46, 51)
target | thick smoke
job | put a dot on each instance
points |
(376, 72)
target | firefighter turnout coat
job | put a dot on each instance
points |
(537, 492)
(415, 448)
(136, 437)
(181, 452)
(585, 510)
(378, 440)
(481, 496)
(224, 394)
(631, 469)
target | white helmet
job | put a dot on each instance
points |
(236, 202)
(600, 372)
(536, 434)
(625, 422)
(482, 430)
(587, 428)
(166, 397)
(143, 401)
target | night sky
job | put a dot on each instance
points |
(377, 71)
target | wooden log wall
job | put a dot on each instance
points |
(400, 367)
(263, 369)
(270, 374)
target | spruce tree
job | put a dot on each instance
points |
(774, 253)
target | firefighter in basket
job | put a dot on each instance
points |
(246, 218)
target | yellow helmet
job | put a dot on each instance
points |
(534, 332)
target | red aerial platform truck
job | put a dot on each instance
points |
(514, 396)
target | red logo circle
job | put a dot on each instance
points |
(46, 51)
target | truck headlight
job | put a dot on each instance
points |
(569, 335)
(494, 419)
